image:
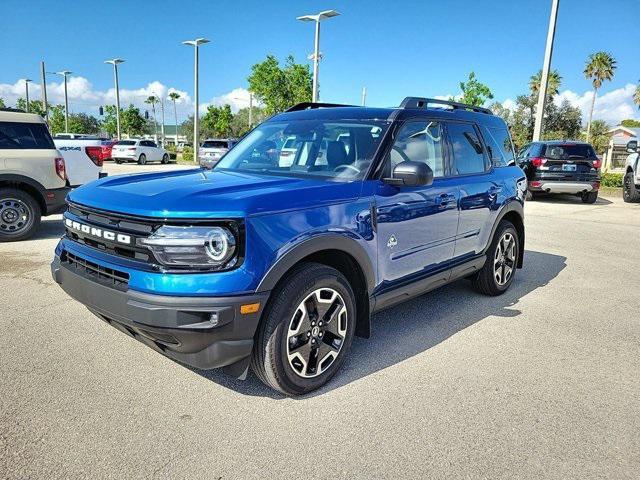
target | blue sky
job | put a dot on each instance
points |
(395, 48)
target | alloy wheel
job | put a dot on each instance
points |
(316, 332)
(504, 260)
(14, 215)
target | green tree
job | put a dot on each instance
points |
(279, 88)
(132, 122)
(152, 100)
(600, 67)
(208, 122)
(240, 121)
(173, 96)
(600, 136)
(109, 122)
(630, 123)
(223, 122)
(474, 92)
(636, 95)
(35, 106)
(56, 119)
(562, 122)
(83, 123)
(553, 83)
(2, 104)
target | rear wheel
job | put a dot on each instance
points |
(306, 330)
(142, 160)
(589, 197)
(630, 193)
(498, 271)
(19, 215)
(118, 161)
(165, 158)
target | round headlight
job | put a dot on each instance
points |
(218, 244)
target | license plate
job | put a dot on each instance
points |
(568, 167)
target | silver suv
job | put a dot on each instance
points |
(33, 180)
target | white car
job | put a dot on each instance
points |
(631, 180)
(288, 152)
(213, 149)
(82, 157)
(141, 151)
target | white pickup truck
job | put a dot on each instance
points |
(82, 157)
(631, 181)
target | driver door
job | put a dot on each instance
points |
(417, 226)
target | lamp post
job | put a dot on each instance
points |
(26, 91)
(195, 43)
(115, 62)
(542, 94)
(64, 74)
(316, 49)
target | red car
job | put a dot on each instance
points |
(105, 151)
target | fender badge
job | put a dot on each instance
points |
(392, 242)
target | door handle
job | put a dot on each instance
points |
(444, 199)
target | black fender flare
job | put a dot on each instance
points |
(512, 206)
(34, 184)
(325, 241)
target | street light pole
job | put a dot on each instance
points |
(317, 18)
(250, 110)
(26, 91)
(196, 120)
(115, 62)
(364, 95)
(542, 93)
(45, 105)
(64, 74)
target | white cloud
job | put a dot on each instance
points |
(509, 104)
(83, 98)
(237, 98)
(612, 107)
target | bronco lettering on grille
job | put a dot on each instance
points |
(97, 232)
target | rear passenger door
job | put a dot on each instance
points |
(478, 190)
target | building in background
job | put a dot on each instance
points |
(616, 154)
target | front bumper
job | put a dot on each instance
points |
(202, 332)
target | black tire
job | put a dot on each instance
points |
(485, 280)
(19, 215)
(589, 197)
(269, 360)
(142, 159)
(165, 158)
(119, 162)
(630, 192)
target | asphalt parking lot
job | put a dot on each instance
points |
(542, 382)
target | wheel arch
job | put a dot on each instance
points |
(29, 185)
(514, 213)
(337, 251)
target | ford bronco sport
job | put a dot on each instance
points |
(277, 265)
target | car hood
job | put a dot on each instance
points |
(198, 193)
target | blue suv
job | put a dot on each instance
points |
(277, 257)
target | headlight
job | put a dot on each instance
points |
(198, 247)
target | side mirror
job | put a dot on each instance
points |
(632, 146)
(411, 174)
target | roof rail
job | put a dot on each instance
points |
(421, 102)
(311, 105)
(8, 109)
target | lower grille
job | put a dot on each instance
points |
(105, 275)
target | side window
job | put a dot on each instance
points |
(499, 146)
(152, 144)
(468, 154)
(418, 141)
(15, 136)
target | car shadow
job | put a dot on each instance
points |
(51, 227)
(415, 326)
(567, 198)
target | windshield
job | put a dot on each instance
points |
(330, 149)
(214, 144)
(126, 142)
(569, 151)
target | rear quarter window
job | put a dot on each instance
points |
(20, 136)
(499, 145)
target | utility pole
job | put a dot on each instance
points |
(250, 110)
(26, 91)
(542, 94)
(64, 74)
(364, 96)
(45, 105)
(196, 119)
(315, 56)
(115, 62)
(162, 115)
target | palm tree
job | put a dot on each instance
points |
(175, 96)
(636, 96)
(600, 67)
(152, 100)
(553, 83)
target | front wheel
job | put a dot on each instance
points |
(142, 160)
(165, 158)
(306, 330)
(590, 197)
(630, 193)
(498, 271)
(19, 215)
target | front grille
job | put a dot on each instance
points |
(104, 275)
